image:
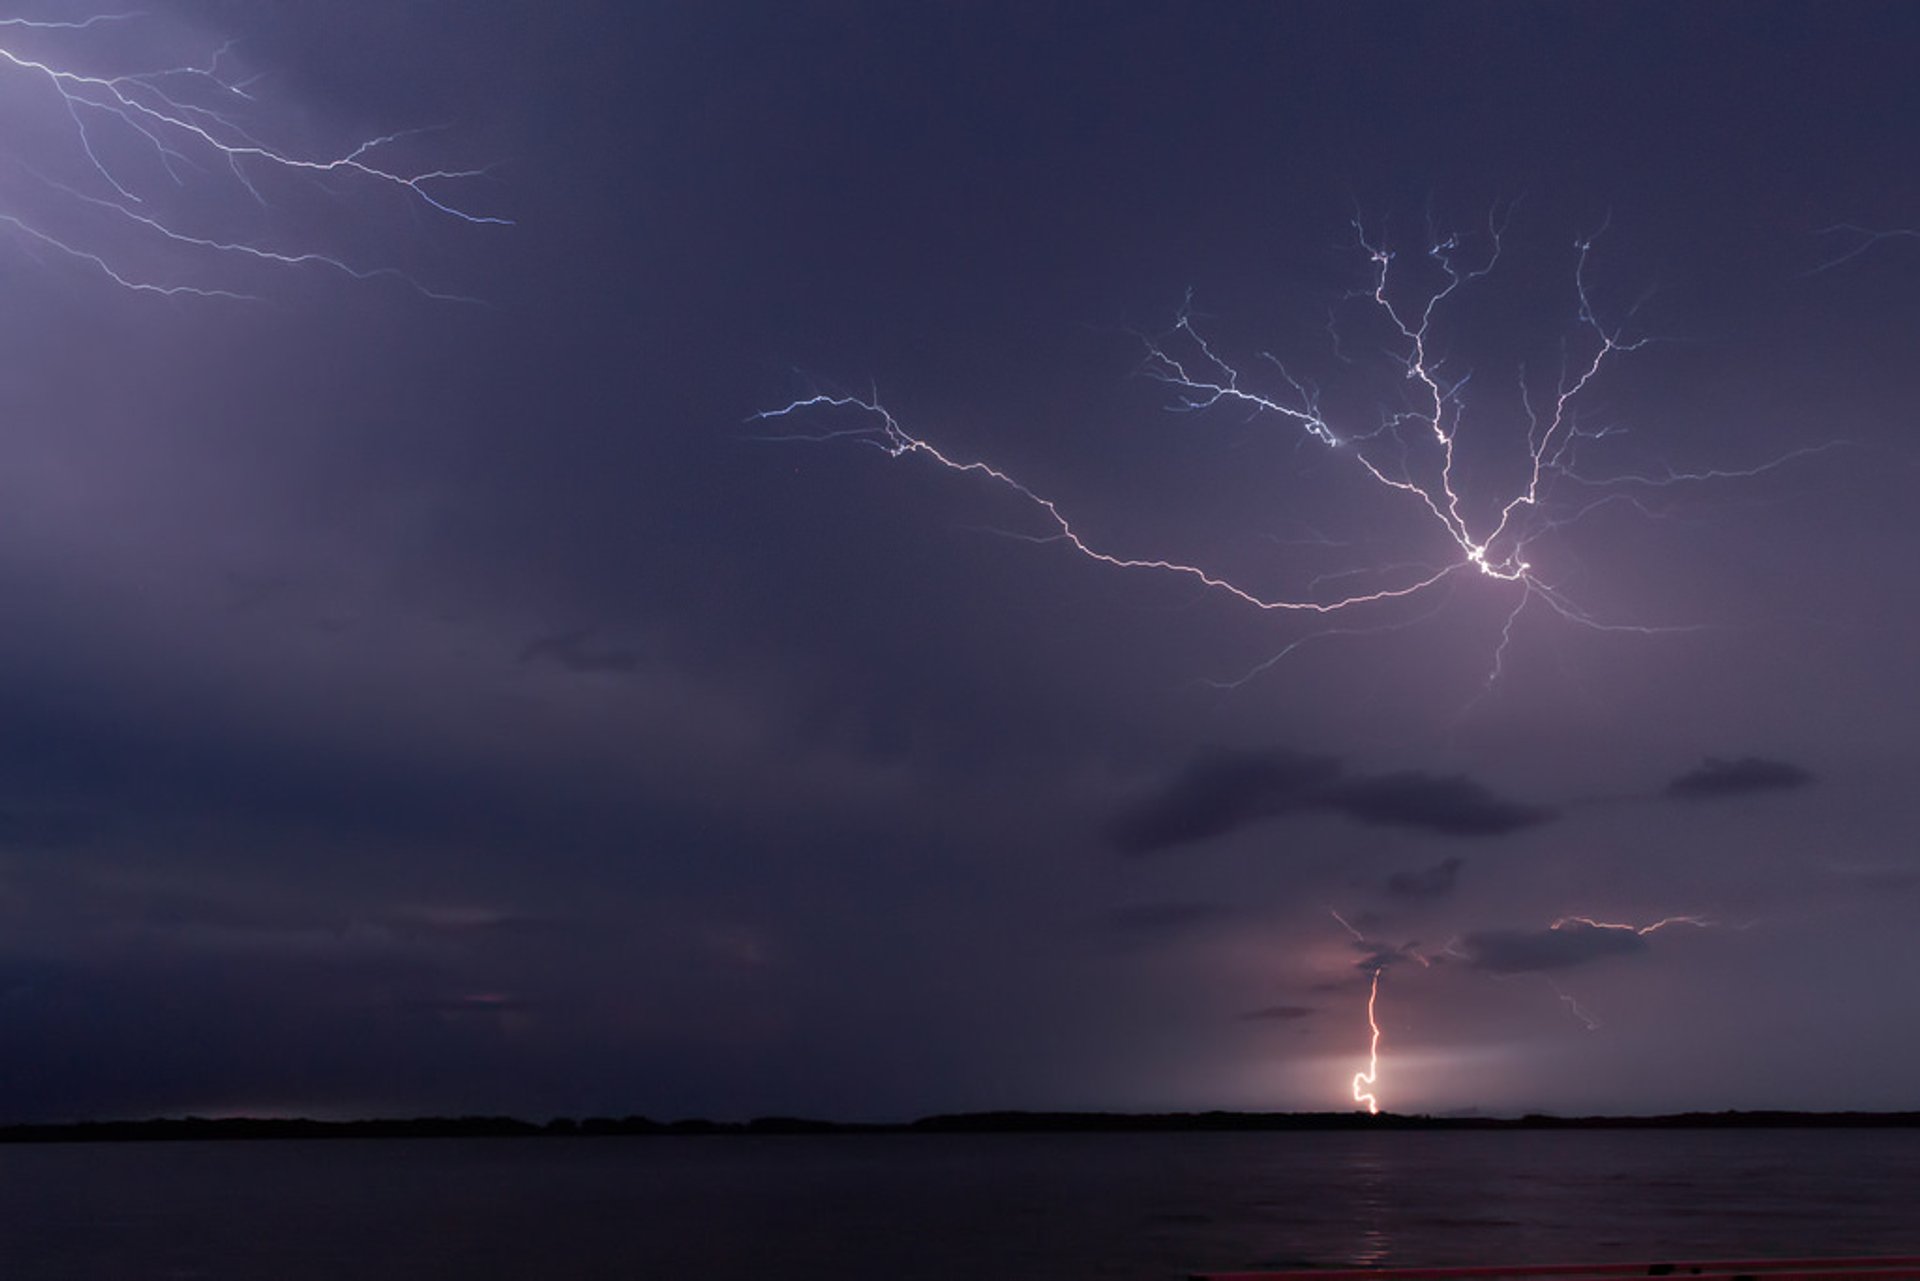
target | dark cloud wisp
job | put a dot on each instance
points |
(1562, 947)
(576, 652)
(1716, 778)
(1222, 791)
(1452, 805)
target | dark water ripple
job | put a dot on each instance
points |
(945, 1208)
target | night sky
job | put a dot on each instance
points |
(427, 687)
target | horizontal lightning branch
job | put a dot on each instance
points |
(1411, 452)
(162, 145)
(1664, 922)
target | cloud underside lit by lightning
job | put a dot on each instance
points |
(151, 178)
(1409, 453)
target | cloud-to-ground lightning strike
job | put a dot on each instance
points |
(1411, 451)
(1365, 1081)
(1378, 957)
(142, 147)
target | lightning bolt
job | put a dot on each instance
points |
(1410, 453)
(1379, 956)
(1364, 1081)
(144, 148)
(1664, 922)
(1590, 1020)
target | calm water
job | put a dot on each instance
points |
(982, 1208)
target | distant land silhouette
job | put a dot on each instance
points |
(504, 1127)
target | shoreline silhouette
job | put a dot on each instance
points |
(201, 1129)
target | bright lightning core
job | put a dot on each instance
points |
(149, 162)
(1410, 452)
(1365, 1081)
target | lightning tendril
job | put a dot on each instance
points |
(1411, 453)
(139, 176)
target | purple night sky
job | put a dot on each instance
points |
(428, 687)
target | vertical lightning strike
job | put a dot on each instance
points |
(1370, 1077)
(1411, 452)
(141, 147)
(1378, 957)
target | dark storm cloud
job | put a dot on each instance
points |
(1452, 805)
(1280, 1014)
(1716, 778)
(1222, 791)
(1562, 947)
(1427, 883)
(576, 652)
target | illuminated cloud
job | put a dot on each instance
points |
(1376, 955)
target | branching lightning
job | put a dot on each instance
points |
(1588, 1018)
(1410, 452)
(1376, 957)
(1640, 930)
(134, 174)
(1857, 240)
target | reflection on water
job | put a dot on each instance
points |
(1367, 1172)
(946, 1207)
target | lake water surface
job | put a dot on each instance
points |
(974, 1207)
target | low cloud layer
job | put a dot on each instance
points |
(1716, 778)
(1451, 805)
(1222, 791)
(1562, 947)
